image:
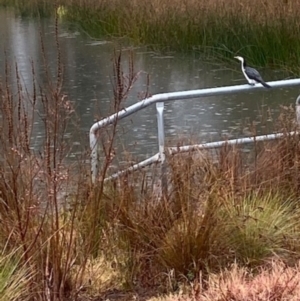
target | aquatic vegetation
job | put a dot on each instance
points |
(32, 8)
(264, 32)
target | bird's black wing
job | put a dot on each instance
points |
(253, 74)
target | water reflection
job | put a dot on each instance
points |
(87, 81)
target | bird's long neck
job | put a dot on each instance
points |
(244, 64)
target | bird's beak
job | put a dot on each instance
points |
(235, 57)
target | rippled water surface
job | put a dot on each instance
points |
(87, 81)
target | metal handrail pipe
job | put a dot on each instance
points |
(163, 97)
(209, 145)
(154, 159)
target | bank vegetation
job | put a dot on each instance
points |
(266, 32)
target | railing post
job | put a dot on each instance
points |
(94, 156)
(161, 145)
(298, 110)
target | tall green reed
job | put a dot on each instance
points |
(33, 8)
(265, 33)
(213, 28)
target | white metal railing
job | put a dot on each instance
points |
(159, 100)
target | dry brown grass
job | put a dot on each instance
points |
(256, 8)
(278, 283)
(217, 211)
(273, 283)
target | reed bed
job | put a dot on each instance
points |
(32, 8)
(70, 239)
(266, 32)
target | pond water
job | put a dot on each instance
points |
(87, 82)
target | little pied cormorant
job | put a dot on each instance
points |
(251, 74)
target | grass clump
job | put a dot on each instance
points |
(276, 282)
(259, 226)
(215, 214)
(14, 278)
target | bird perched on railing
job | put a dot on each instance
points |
(298, 110)
(251, 74)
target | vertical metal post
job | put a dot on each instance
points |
(298, 110)
(161, 145)
(94, 156)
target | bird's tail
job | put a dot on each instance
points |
(265, 84)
